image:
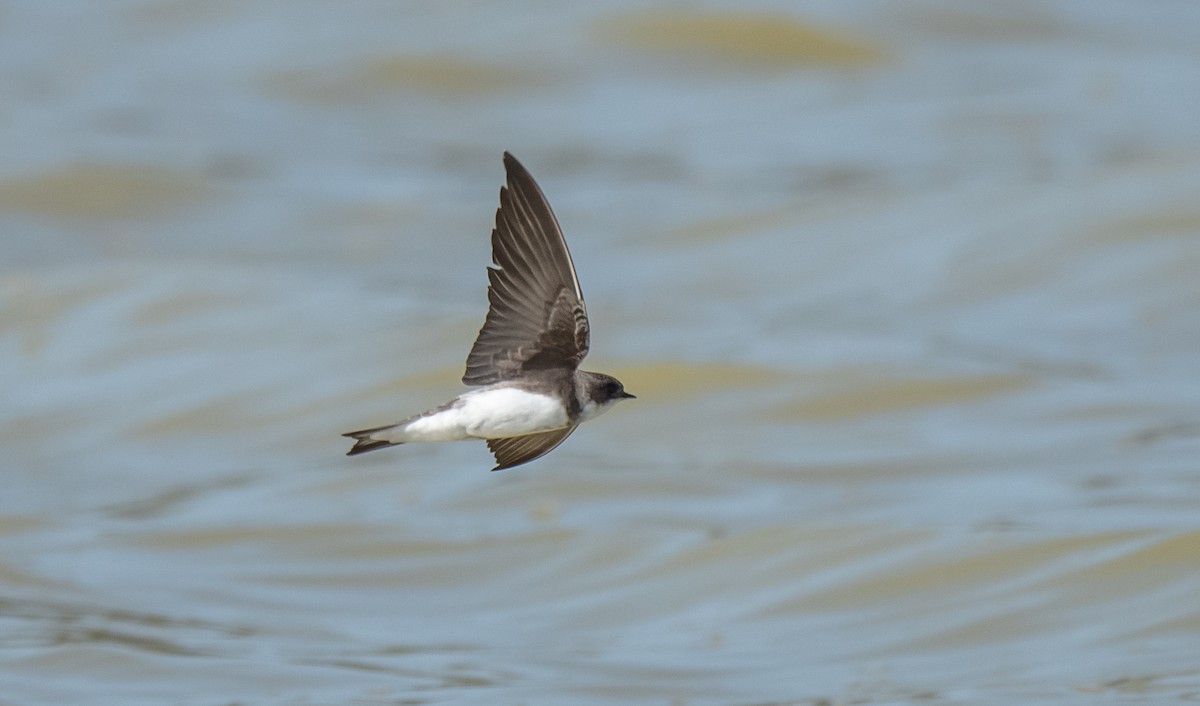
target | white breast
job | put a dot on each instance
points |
(508, 411)
(591, 410)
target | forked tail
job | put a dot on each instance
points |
(364, 443)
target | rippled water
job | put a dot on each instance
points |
(908, 295)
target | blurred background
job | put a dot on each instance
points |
(908, 293)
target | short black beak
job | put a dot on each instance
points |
(626, 396)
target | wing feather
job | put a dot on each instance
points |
(536, 317)
(515, 450)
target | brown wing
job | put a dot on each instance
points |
(536, 317)
(515, 450)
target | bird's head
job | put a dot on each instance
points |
(601, 392)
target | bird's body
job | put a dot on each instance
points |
(529, 393)
(501, 410)
(495, 412)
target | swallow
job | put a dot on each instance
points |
(528, 393)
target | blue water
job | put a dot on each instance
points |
(907, 294)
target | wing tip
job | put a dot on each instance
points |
(503, 466)
(512, 166)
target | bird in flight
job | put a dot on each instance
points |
(529, 394)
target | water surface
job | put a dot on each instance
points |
(907, 294)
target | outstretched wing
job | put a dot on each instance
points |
(536, 317)
(515, 450)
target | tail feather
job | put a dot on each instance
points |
(364, 443)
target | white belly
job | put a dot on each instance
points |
(490, 414)
(486, 414)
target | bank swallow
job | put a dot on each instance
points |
(529, 394)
